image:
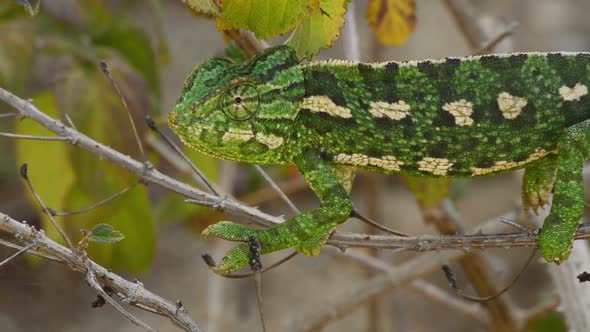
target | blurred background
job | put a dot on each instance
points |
(150, 47)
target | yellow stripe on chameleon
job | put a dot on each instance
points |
(505, 165)
(324, 104)
(238, 134)
(272, 141)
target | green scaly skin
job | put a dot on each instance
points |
(456, 117)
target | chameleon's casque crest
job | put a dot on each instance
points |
(237, 111)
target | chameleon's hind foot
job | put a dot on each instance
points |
(230, 231)
(556, 241)
(313, 245)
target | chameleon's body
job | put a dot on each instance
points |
(457, 117)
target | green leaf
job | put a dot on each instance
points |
(50, 169)
(202, 6)
(265, 18)
(320, 29)
(105, 233)
(31, 9)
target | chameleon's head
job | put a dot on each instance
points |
(241, 111)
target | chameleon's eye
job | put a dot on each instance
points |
(240, 102)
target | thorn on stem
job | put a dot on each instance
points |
(151, 123)
(24, 171)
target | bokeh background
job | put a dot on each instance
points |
(151, 48)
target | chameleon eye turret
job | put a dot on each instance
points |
(240, 102)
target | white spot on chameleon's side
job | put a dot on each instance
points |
(436, 166)
(505, 165)
(510, 106)
(385, 162)
(570, 94)
(356, 159)
(325, 104)
(389, 163)
(394, 111)
(461, 110)
(272, 141)
(237, 134)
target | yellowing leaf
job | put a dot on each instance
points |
(320, 29)
(202, 6)
(265, 18)
(430, 192)
(393, 21)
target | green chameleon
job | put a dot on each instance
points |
(455, 117)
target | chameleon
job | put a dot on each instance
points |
(454, 117)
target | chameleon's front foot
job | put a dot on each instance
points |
(270, 240)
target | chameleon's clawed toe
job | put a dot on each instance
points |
(230, 231)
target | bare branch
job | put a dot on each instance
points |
(142, 298)
(91, 279)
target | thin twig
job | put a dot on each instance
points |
(213, 266)
(30, 252)
(8, 115)
(515, 225)
(91, 279)
(69, 120)
(95, 205)
(25, 176)
(276, 188)
(105, 69)
(152, 125)
(34, 137)
(453, 282)
(18, 253)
